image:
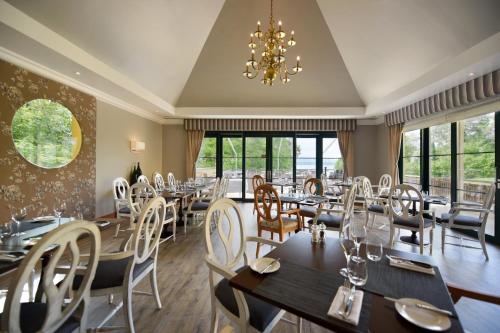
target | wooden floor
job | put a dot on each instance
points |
(183, 280)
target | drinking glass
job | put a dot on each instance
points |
(347, 246)
(374, 249)
(358, 233)
(59, 209)
(17, 215)
(356, 266)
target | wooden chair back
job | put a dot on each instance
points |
(120, 188)
(139, 196)
(170, 179)
(384, 184)
(64, 241)
(143, 179)
(488, 202)
(158, 182)
(313, 186)
(265, 197)
(400, 204)
(257, 180)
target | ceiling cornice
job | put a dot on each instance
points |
(51, 74)
(271, 112)
(19, 21)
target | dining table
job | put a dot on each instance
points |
(31, 230)
(283, 184)
(308, 279)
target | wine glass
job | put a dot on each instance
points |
(358, 233)
(59, 209)
(356, 266)
(17, 215)
(374, 249)
(347, 245)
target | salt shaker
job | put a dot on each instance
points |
(322, 232)
(315, 233)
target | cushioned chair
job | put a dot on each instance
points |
(246, 312)
(400, 216)
(312, 186)
(337, 219)
(476, 221)
(198, 206)
(257, 180)
(158, 182)
(120, 272)
(375, 206)
(120, 194)
(270, 216)
(50, 316)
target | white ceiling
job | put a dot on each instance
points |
(179, 58)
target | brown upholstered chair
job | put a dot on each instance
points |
(270, 216)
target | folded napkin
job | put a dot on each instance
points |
(338, 305)
(411, 266)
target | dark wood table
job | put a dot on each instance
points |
(327, 258)
(183, 195)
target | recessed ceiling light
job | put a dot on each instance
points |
(472, 74)
(77, 73)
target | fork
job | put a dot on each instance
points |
(347, 284)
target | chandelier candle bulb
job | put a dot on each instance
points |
(271, 46)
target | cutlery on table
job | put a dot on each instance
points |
(416, 263)
(268, 266)
(421, 306)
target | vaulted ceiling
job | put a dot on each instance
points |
(179, 58)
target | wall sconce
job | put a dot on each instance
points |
(137, 146)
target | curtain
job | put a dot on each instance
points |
(347, 151)
(194, 141)
(395, 133)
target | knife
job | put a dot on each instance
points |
(417, 263)
(421, 306)
(267, 267)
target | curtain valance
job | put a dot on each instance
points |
(474, 92)
(293, 125)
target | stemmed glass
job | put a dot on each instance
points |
(358, 233)
(356, 266)
(347, 245)
(374, 249)
(17, 215)
(59, 209)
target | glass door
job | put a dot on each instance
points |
(282, 159)
(255, 161)
(305, 158)
(232, 165)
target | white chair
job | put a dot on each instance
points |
(198, 206)
(384, 186)
(120, 193)
(54, 314)
(170, 179)
(401, 217)
(158, 182)
(476, 221)
(246, 312)
(143, 179)
(120, 272)
(330, 190)
(375, 206)
(337, 219)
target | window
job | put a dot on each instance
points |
(333, 165)
(440, 160)
(476, 160)
(411, 157)
(207, 159)
(306, 158)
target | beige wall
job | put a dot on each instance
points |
(115, 129)
(370, 151)
(174, 150)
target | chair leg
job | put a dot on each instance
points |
(281, 236)
(482, 240)
(259, 233)
(214, 321)
(432, 239)
(272, 235)
(421, 242)
(443, 234)
(185, 224)
(391, 237)
(154, 287)
(127, 310)
(299, 324)
(31, 286)
(117, 231)
(174, 228)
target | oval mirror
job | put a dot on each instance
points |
(46, 133)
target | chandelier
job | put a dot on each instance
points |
(272, 47)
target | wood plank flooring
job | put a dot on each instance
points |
(183, 279)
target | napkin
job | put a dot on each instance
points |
(410, 266)
(338, 305)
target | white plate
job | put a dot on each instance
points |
(430, 320)
(44, 218)
(259, 264)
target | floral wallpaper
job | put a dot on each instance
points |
(24, 184)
